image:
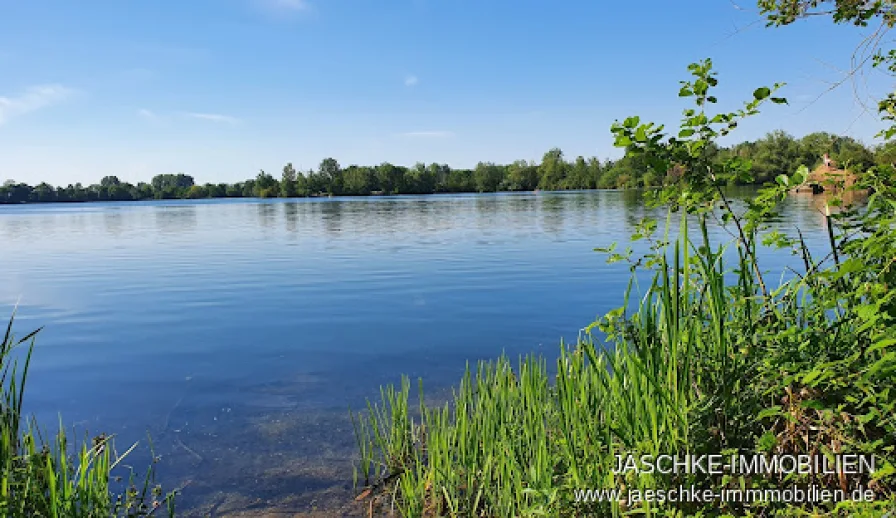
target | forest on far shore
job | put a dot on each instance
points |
(778, 152)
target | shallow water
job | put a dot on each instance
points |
(239, 332)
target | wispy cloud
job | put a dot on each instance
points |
(32, 99)
(147, 114)
(292, 5)
(213, 117)
(283, 7)
(411, 80)
(428, 134)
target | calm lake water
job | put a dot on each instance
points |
(239, 332)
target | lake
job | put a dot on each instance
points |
(238, 333)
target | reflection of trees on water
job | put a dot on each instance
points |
(267, 214)
(521, 203)
(113, 222)
(421, 216)
(487, 211)
(17, 227)
(553, 214)
(807, 211)
(25, 225)
(291, 216)
(172, 219)
(580, 208)
(331, 215)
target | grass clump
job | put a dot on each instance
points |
(710, 359)
(56, 479)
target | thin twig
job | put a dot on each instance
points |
(743, 238)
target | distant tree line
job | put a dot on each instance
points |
(771, 155)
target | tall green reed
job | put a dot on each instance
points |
(519, 441)
(711, 359)
(53, 478)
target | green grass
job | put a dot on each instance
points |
(699, 366)
(53, 478)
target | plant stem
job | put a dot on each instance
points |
(742, 239)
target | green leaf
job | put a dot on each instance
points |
(761, 93)
(685, 133)
(779, 100)
(887, 470)
(881, 344)
(782, 180)
(641, 134)
(812, 376)
(813, 404)
(800, 176)
(632, 122)
(887, 364)
(767, 441)
(769, 412)
(623, 141)
(700, 87)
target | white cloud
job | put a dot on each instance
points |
(428, 134)
(32, 99)
(411, 80)
(147, 114)
(214, 117)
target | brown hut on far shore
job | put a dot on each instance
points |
(826, 178)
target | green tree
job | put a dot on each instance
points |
(488, 176)
(389, 178)
(522, 176)
(579, 177)
(316, 184)
(420, 180)
(851, 154)
(43, 192)
(121, 192)
(169, 186)
(197, 192)
(302, 188)
(595, 169)
(143, 191)
(234, 190)
(332, 175)
(109, 181)
(248, 190)
(814, 146)
(552, 171)
(357, 180)
(288, 187)
(776, 153)
(440, 172)
(885, 154)
(266, 186)
(461, 180)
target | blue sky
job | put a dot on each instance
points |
(222, 88)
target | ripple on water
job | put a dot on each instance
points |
(239, 332)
